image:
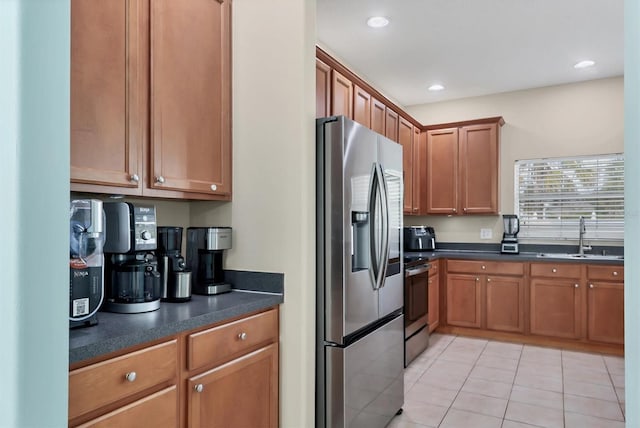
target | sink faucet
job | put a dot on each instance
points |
(583, 230)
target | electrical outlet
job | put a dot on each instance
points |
(486, 233)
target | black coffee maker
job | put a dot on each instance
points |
(176, 278)
(205, 247)
(133, 282)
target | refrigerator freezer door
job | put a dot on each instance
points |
(365, 381)
(347, 157)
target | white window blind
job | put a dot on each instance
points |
(551, 195)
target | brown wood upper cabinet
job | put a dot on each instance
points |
(361, 106)
(151, 98)
(463, 168)
(378, 114)
(391, 124)
(341, 95)
(405, 139)
(323, 89)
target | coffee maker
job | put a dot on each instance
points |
(510, 235)
(205, 246)
(132, 279)
(86, 262)
(176, 278)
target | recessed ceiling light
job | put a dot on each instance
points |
(436, 87)
(377, 22)
(584, 64)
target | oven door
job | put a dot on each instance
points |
(416, 294)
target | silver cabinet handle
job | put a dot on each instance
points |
(483, 267)
(464, 209)
(455, 210)
(615, 273)
(554, 270)
(488, 279)
(242, 336)
(590, 285)
(477, 279)
(135, 178)
(576, 285)
(198, 387)
(214, 187)
(131, 376)
(160, 179)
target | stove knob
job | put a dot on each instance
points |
(146, 235)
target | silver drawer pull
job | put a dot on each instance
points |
(131, 376)
(242, 336)
(198, 387)
(554, 270)
(483, 267)
(615, 273)
(488, 279)
(590, 285)
(576, 285)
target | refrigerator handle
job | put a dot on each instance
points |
(384, 192)
(374, 263)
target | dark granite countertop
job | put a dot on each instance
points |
(497, 256)
(115, 332)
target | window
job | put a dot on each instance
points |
(552, 194)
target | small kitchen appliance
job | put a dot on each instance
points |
(133, 283)
(176, 278)
(419, 238)
(205, 248)
(510, 235)
(86, 262)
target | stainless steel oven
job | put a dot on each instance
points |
(416, 304)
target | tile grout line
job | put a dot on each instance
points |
(504, 417)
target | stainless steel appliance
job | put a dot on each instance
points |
(419, 238)
(205, 248)
(510, 235)
(86, 262)
(360, 325)
(132, 279)
(416, 306)
(176, 278)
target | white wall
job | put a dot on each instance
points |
(566, 120)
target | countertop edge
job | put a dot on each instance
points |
(522, 257)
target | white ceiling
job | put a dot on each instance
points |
(472, 47)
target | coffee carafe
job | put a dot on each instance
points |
(510, 235)
(205, 247)
(176, 278)
(132, 279)
(86, 262)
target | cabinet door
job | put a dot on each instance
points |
(463, 300)
(478, 166)
(605, 312)
(378, 113)
(442, 167)
(434, 302)
(419, 172)
(341, 95)
(156, 410)
(405, 139)
(391, 124)
(555, 307)
(361, 106)
(505, 303)
(191, 96)
(323, 89)
(241, 393)
(108, 94)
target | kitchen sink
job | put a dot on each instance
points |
(580, 256)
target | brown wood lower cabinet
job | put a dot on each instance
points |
(605, 304)
(240, 393)
(223, 375)
(504, 303)
(433, 317)
(463, 300)
(556, 307)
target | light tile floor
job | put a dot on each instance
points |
(463, 382)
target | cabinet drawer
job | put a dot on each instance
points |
(156, 410)
(556, 270)
(480, 267)
(222, 343)
(608, 273)
(103, 383)
(434, 268)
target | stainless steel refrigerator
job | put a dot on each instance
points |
(360, 336)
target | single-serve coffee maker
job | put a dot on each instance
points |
(176, 278)
(86, 261)
(510, 235)
(205, 247)
(133, 283)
